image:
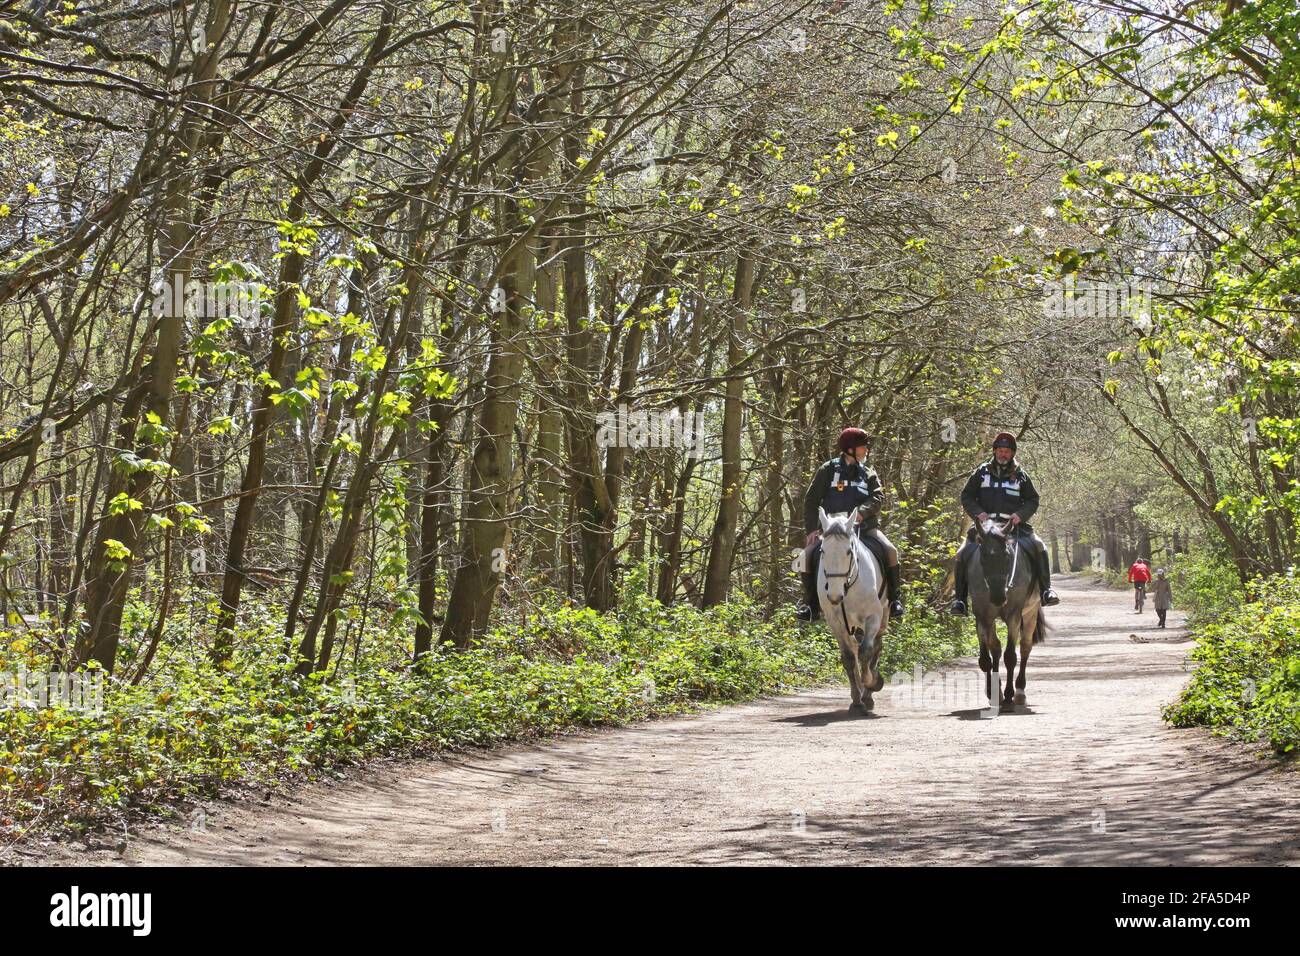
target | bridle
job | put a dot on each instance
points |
(1002, 531)
(851, 574)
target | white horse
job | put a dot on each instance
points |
(851, 589)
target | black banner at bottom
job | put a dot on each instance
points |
(879, 905)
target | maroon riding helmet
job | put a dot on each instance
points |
(851, 438)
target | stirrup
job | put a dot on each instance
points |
(958, 607)
(896, 609)
(1049, 598)
(806, 613)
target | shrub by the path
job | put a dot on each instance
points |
(191, 729)
(1247, 680)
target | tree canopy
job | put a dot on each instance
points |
(336, 307)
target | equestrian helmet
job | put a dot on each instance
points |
(852, 438)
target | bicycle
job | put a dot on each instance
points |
(1140, 596)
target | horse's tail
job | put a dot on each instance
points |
(1040, 627)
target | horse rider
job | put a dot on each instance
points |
(1139, 575)
(843, 484)
(1000, 489)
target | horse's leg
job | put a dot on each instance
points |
(1027, 628)
(876, 647)
(875, 656)
(990, 649)
(865, 680)
(1010, 660)
(981, 631)
(869, 647)
(1014, 632)
(849, 659)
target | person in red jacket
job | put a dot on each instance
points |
(1138, 575)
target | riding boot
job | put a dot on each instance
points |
(959, 583)
(1043, 567)
(811, 608)
(895, 591)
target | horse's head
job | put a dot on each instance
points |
(995, 561)
(839, 560)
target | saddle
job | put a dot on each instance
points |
(875, 547)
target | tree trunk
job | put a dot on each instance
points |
(722, 543)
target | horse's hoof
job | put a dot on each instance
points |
(869, 704)
(1020, 697)
(856, 708)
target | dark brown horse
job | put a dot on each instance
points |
(1001, 576)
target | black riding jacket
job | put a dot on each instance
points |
(1000, 492)
(839, 488)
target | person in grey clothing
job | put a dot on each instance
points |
(1164, 595)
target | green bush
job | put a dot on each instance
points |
(926, 638)
(191, 729)
(1247, 682)
(1206, 586)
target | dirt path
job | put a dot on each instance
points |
(1086, 774)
